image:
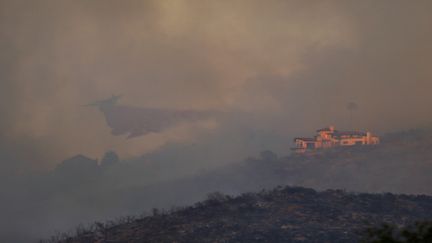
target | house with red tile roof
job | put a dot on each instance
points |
(328, 137)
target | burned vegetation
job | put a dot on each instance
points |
(284, 214)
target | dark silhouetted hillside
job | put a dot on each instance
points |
(284, 214)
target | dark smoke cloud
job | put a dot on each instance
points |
(137, 121)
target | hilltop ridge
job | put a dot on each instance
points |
(283, 214)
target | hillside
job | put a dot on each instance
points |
(73, 195)
(284, 214)
(401, 164)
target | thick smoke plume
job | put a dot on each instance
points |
(294, 64)
(271, 69)
(138, 121)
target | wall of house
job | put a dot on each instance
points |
(325, 139)
(352, 141)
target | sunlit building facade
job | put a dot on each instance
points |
(329, 137)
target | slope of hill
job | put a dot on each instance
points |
(70, 196)
(284, 214)
(401, 164)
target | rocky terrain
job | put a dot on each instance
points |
(284, 214)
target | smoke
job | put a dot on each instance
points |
(274, 69)
(295, 65)
(135, 122)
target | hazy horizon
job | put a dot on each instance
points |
(293, 65)
(205, 83)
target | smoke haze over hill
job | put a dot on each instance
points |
(257, 72)
(295, 63)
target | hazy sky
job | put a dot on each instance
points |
(292, 64)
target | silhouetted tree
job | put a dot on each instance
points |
(216, 197)
(109, 159)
